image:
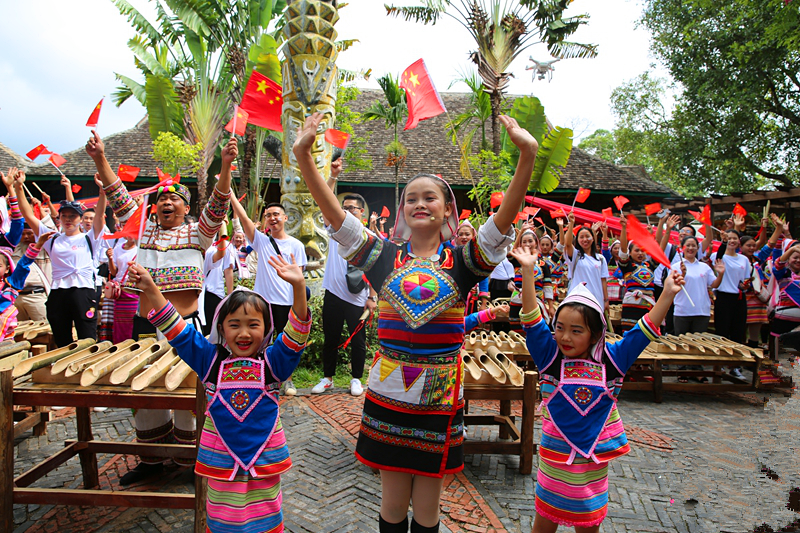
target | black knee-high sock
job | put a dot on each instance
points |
(416, 528)
(388, 527)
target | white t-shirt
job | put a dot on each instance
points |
(334, 279)
(215, 271)
(659, 271)
(737, 268)
(589, 270)
(268, 284)
(72, 259)
(121, 259)
(503, 271)
(699, 278)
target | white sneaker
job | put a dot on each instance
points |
(100, 409)
(288, 388)
(323, 385)
(737, 373)
(355, 387)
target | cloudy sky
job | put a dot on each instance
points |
(59, 60)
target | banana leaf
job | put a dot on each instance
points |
(554, 152)
(528, 111)
(163, 108)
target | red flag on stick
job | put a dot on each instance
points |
(638, 234)
(739, 210)
(557, 213)
(620, 201)
(94, 118)
(530, 211)
(385, 212)
(582, 195)
(127, 173)
(39, 150)
(608, 212)
(263, 100)
(131, 227)
(539, 220)
(239, 121)
(76, 188)
(337, 138)
(465, 213)
(496, 199)
(652, 209)
(423, 100)
(57, 160)
(163, 176)
(704, 217)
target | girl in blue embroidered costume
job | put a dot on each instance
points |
(243, 449)
(412, 425)
(580, 376)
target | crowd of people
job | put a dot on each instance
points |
(235, 308)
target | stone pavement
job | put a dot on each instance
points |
(699, 463)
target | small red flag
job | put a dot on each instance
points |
(530, 211)
(242, 197)
(739, 210)
(163, 176)
(421, 96)
(704, 217)
(539, 220)
(496, 199)
(558, 213)
(57, 160)
(608, 212)
(620, 201)
(37, 211)
(385, 212)
(240, 118)
(95, 116)
(76, 188)
(127, 173)
(39, 150)
(153, 211)
(263, 100)
(638, 234)
(465, 213)
(337, 138)
(520, 216)
(131, 227)
(582, 195)
(652, 209)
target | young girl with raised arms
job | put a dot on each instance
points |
(580, 376)
(412, 426)
(242, 449)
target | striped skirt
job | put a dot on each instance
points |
(245, 505)
(756, 309)
(125, 308)
(572, 495)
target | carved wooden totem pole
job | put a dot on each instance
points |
(309, 85)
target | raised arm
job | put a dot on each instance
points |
(671, 222)
(527, 262)
(24, 206)
(708, 240)
(762, 237)
(239, 213)
(623, 236)
(67, 184)
(515, 194)
(336, 169)
(97, 151)
(323, 195)
(672, 285)
(100, 210)
(569, 236)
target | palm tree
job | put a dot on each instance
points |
(502, 29)
(393, 114)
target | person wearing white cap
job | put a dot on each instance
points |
(580, 376)
(412, 426)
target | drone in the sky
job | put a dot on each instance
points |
(542, 69)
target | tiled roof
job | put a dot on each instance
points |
(8, 158)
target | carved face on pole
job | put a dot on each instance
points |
(305, 223)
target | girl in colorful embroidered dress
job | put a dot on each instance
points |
(580, 376)
(12, 280)
(243, 449)
(412, 424)
(544, 286)
(637, 282)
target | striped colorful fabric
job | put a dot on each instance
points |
(125, 308)
(756, 309)
(167, 320)
(639, 286)
(572, 495)
(105, 331)
(245, 505)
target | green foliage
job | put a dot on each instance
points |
(356, 156)
(396, 148)
(263, 57)
(736, 121)
(495, 172)
(551, 160)
(528, 111)
(601, 144)
(395, 109)
(163, 108)
(176, 155)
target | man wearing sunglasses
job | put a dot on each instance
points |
(172, 252)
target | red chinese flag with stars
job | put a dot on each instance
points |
(739, 210)
(557, 213)
(704, 217)
(465, 213)
(423, 100)
(94, 118)
(57, 160)
(127, 173)
(620, 202)
(39, 150)
(638, 234)
(652, 209)
(582, 195)
(263, 100)
(337, 138)
(496, 199)
(131, 227)
(240, 120)
(385, 212)
(530, 211)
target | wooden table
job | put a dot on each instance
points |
(17, 490)
(521, 442)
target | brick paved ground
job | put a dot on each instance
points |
(700, 463)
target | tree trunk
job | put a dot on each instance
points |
(496, 100)
(396, 188)
(202, 183)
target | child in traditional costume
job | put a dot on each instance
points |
(412, 424)
(12, 280)
(580, 376)
(242, 449)
(544, 286)
(638, 284)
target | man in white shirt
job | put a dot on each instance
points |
(277, 242)
(33, 297)
(341, 305)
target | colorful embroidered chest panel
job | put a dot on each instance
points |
(419, 291)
